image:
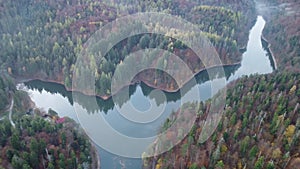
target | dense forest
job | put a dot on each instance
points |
(42, 39)
(39, 142)
(260, 129)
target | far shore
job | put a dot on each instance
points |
(106, 97)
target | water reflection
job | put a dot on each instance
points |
(46, 95)
(106, 105)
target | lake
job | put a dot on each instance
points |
(255, 60)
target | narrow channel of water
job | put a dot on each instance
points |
(256, 58)
(54, 96)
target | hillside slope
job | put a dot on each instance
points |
(42, 39)
(260, 129)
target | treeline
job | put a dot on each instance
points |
(260, 128)
(39, 143)
(42, 39)
(108, 104)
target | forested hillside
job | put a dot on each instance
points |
(40, 143)
(282, 31)
(260, 129)
(41, 39)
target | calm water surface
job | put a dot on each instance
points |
(54, 96)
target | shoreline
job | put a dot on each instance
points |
(268, 46)
(106, 97)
